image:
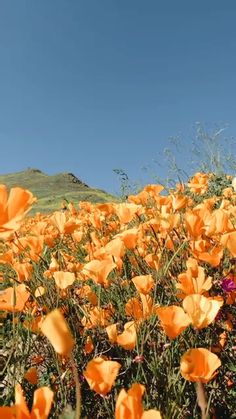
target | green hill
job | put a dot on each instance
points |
(52, 190)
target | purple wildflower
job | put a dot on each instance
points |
(228, 284)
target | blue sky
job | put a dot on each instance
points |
(87, 86)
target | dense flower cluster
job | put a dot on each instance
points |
(106, 285)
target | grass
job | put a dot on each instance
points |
(153, 239)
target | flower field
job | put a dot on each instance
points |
(121, 310)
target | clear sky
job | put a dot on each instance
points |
(87, 86)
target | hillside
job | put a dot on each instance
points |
(52, 190)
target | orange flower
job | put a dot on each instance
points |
(34, 246)
(115, 248)
(63, 225)
(13, 208)
(43, 398)
(126, 211)
(55, 328)
(96, 316)
(129, 237)
(33, 324)
(147, 304)
(199, 183)
(193, 281)
(153, 189)
(201, 310)
(7, 412)
(39, 292)
(98, 270)
(199, 364)
(88, 346)
(42, 403)
(112, 332)
(229, 241)
(129, 404)
(218, 222)
(23, 270)
(31, 375)
(14, 298)
(194, 223)
(133, 308)
(101, 374)
(143, 283)
(173, 320)
(179, 201)
(152, 260)
(213, 256)
(128, 338)
(63, 279)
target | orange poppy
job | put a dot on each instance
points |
(31, 375)
(148, 307)
(63, 225)
(201, 310)
(229, 241)
(98, 270)
(56, 329)
(194, 223)
(213, 257)
(96, 316)
(39, 292)
(14, 298)
(128, 338)
(133, 308)
(33, 245)
(152, 260)
(126, 211)
(33, 324)
(13, 208)
(88, 346)
(115, 248)
(42, 402)
(143, 283)
(194, 280)
(129, 403)
(129, 237)
(218, 222)
(199, 183)
(173, 320)
(154, 189)
(199, 364)
(101, 374)
(63, 280)
(86, 292)
(7, 412)
(24, 270)
(179, 202)
(112, 332)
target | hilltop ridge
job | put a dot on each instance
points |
(51, 190)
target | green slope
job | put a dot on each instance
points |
(51, 190)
